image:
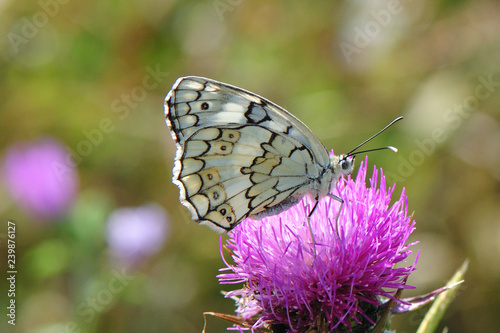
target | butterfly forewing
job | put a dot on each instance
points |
(238, 154)
(196, 102)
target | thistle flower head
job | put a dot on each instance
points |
(333, 282)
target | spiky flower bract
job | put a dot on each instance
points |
(336, 281)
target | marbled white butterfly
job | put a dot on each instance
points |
(240, 155)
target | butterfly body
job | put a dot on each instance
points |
(240, 155)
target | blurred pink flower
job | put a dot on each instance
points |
(40, 178)
(135, 233)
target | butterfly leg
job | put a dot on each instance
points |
(339, 199)
(316, 200)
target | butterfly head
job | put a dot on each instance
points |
(346, 164)
(341, 165)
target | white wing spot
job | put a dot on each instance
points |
(228, 117)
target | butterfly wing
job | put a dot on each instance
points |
(238, 154)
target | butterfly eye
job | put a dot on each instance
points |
(346, 163)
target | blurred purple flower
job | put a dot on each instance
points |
(40, 178)
(136, 233)
(285, 286)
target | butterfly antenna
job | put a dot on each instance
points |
(394, 149)
(373, 136)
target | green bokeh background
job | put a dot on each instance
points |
(345, 68)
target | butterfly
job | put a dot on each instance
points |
(240, 155)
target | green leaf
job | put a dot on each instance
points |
(440, 305)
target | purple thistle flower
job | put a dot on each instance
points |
(40, 178)
(336, 283)
(136, 233)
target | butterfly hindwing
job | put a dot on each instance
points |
(242, 171)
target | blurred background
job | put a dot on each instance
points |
(102, 243)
